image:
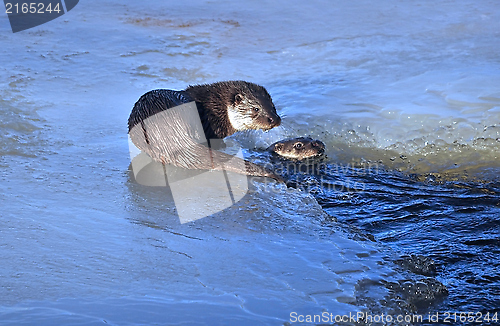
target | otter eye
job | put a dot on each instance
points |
(298, 145)
(255, 109)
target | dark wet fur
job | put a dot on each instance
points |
(211, 102)
(170, 146)
(311, 148)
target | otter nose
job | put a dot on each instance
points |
(274, 121)
(318, 144)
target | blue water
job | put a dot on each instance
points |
(405, 96)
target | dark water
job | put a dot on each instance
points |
(451, 225)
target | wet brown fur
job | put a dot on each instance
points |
(166, 138)
(298, 148)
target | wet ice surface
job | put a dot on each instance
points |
(253, 263)
(413, 89)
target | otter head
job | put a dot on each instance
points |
(298, 148)
(251, 107)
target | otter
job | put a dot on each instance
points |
(184, 128)
(298, 148)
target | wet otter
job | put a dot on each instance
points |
(298, 148)
(182, 128)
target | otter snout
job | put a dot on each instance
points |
(274, 121)
(319, 146)
(267, 121)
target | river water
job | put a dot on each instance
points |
(401, 217)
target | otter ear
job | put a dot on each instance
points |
(278, 147)
(238, 98)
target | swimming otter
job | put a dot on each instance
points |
(298, 148)
(180, 127)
